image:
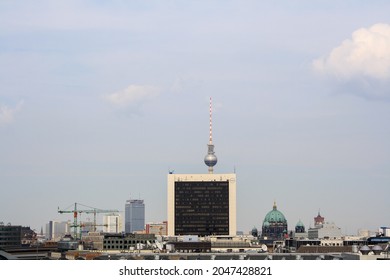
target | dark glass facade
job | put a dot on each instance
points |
(10, 236)
(202, 208)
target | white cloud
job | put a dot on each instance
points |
(365, 55)
(7, 114)
(133, 94)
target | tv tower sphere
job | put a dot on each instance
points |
(210, 159)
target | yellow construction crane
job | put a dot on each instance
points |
(77, 211)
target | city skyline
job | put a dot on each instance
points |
(100, 101)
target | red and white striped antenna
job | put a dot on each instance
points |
(211, 123)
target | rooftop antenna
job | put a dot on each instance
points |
(210, 159)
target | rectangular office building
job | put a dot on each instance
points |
(134, 215)
(202, 204)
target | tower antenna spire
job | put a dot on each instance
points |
(210, 159)
(211, 124)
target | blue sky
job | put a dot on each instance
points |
(99, 99)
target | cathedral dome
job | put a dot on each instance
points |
(300, 227)
(274, 216)
(300, 224)
(254, 232)
(274, 225)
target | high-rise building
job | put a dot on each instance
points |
(112, 223)
(55, 230)
(202, 204)
(134, 215)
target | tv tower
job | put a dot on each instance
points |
(210, 159)
(202, 204)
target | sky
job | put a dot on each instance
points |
(100, 99)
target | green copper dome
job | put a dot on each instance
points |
(300, 224)
(274, 216)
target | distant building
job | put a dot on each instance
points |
(28, 236)
(232, 244)
(10, 236)
(112, 223)
(93, 241)
(254, 232)
(365, 233)
(189, 247)
(127, 241)
(300, 227)
(157, 228)
(300, 231)
(274, 225)
(134, 215)
(318, 220)
(55, 230)
(384, 231)
(67, 242)
(323, 230)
